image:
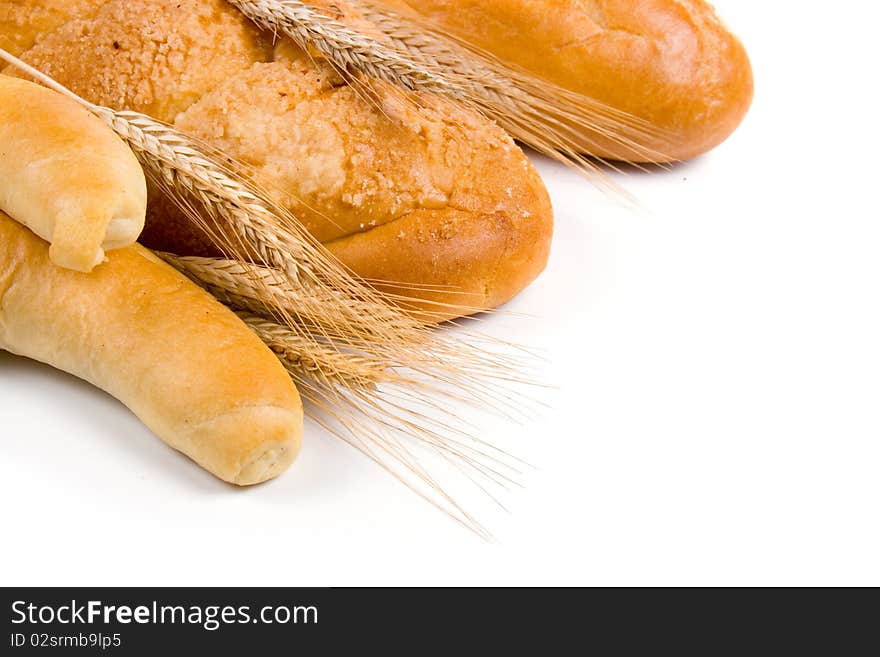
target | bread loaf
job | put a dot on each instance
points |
(670, 62)
(82, 189)
(434, 197)
(181, 361)
(377, 185)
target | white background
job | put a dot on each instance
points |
(716, 421)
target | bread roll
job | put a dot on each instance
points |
(82, 189)
(435, 181)
(182, 362)
(671, 62)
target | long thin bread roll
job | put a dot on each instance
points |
(80, 186)
(182, 362)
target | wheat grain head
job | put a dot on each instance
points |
(413, 55)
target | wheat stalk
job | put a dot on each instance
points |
(306, 357)
(178, 164)
(262, 289)
(412, 55)
(259, 290)
(245, 225)
(294, 279)
(346, 48)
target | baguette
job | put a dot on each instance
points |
(182, 362)
(374, 184)
(670, 62)
(82, 189)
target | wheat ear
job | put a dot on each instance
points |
(414, 56)
(306, 290)
(306, 357)
(460, 369)
(247, 226)
(262, 289)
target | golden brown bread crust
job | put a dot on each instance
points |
(151, 56)
(455, 246)
(82, 188)
(182, 362)
(342, 165)
(671, 62)
(24, 22)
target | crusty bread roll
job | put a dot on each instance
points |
(82, 188)
(181, 361)
(670, 62)
(430, 183)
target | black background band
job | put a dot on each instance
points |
(413, 621)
